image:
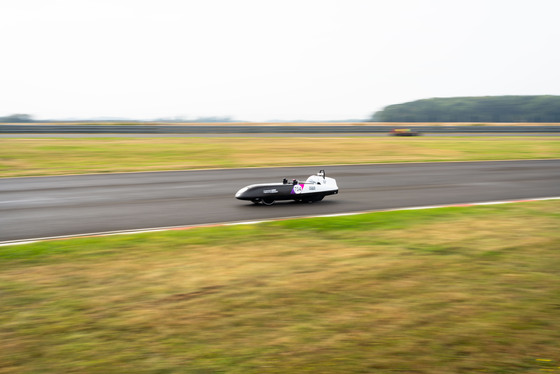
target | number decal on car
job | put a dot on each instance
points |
(297, 189)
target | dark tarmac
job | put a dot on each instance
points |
(270, 135)
(69, 205)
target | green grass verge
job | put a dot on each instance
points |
(449, 290)
(54, 156)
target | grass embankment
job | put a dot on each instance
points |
(54, 156)
(451, 290)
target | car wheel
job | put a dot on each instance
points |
(268, 202)
(314, 199)
(256, 201)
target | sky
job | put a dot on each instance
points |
(264, 60)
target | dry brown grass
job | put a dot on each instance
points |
(233, 124)
(457, 290)
(25, 157)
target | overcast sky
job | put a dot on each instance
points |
(261, 60)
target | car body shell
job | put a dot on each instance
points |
(315, 188)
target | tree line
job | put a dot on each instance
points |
(26, 118)
(544, 108)
(17, 118)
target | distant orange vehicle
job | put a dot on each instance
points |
(404, 132)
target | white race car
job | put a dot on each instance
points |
(315, 188)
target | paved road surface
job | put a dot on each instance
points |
(271, 135)
(66, 205)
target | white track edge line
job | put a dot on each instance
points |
(202, 225)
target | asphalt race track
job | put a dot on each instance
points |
(272, 135)
(68, 205)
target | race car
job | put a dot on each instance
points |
(404, 132)
(315, 188)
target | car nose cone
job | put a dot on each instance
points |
(241, 191)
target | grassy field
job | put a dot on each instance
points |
(54, 156)
(449, 290)
(390, 124)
